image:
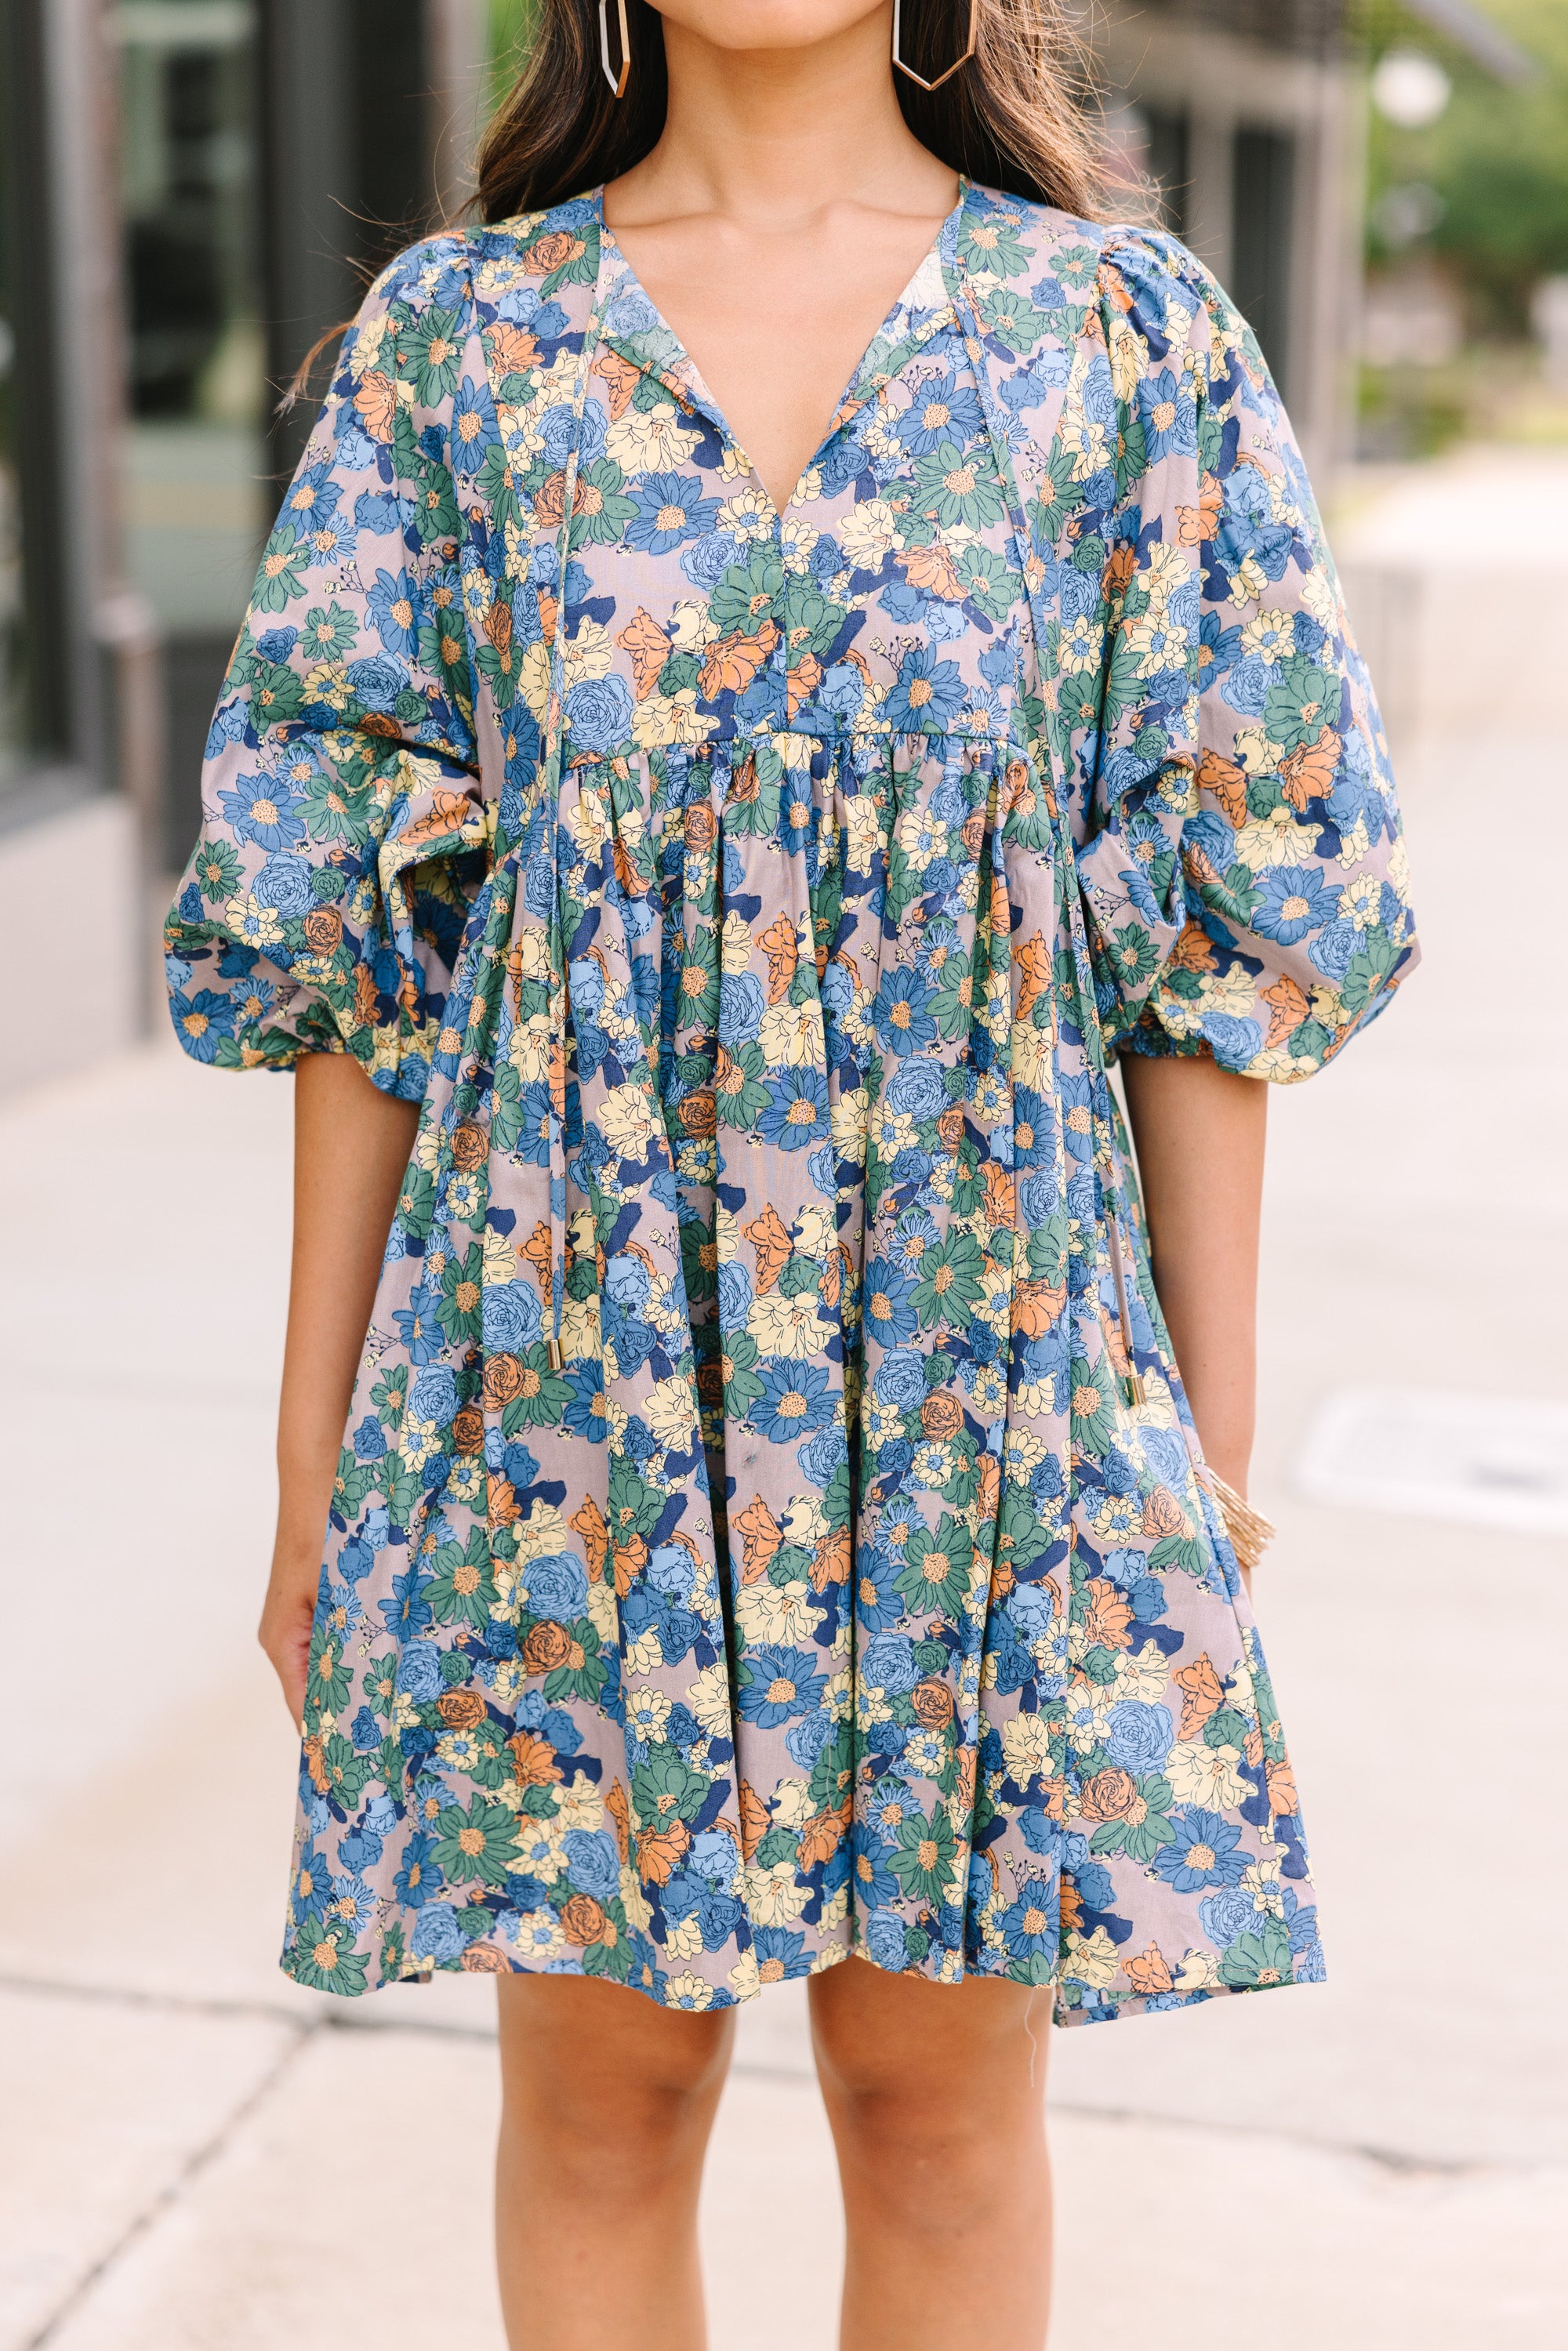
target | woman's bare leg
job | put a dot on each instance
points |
(935, 2093)
(607, 2104)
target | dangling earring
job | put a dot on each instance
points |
(909, 70)
(617, 81)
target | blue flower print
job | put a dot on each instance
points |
(417, 1328)
(420, 1878)
(438, 1934)
(784, 1683)
(261, 808)
(890, 1317)
(794, 1401)
(899, 1015)
(1169, 413)
(781, 1957)
(945, 410)
(928, 696)
(1140, 1735)
(871, 1869)
(598, 713)
(203, 1019)
(394, 608)
(670, 508)
(1204, 1851)
(795, 1115)
(1293, 900)
(1033, 1923)
(879, 1603)
(475, 432)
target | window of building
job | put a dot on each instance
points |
(13, 727)
(1262, 216)
(1169, 164)
(34, 701)
(198, 496)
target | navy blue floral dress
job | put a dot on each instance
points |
(769, 1525)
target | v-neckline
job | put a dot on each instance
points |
(680, 374)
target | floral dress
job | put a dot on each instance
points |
(769, 1525)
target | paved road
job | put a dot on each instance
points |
(1380, 2161)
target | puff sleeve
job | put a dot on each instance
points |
(343, 832)
(1238, 834)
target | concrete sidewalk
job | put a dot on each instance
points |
(1380, 2161)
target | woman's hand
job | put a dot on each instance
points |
(287, 1614)
(351, 1146)
(1199, 1133)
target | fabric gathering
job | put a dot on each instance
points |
(769, 1525)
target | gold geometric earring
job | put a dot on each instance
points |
(909, 70)
(617, 81)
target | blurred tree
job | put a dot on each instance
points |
(1485, 185)
(510, 23)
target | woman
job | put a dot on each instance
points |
(735, 834)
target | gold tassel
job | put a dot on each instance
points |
(1251, 1532)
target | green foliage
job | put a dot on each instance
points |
(511, 28)
(1498, 158)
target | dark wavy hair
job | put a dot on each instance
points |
(1013, 118)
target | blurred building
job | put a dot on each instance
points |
(190, 192)
(1246, 115)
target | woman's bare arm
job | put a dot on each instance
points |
(1199, 1132)
(352, 1145)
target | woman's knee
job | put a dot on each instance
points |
(921, 2076)
(598, 2075)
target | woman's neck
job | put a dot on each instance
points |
(767, 138)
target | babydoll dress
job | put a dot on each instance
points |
(769, 1525)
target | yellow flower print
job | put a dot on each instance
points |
(252, 924)
(748, 514)
(589, 653)
(540, 1847)
(650, 441)
(1276, 840)
(1083, 645)
(868, 533)
(1093, 1961)
(797, 542)
(864, 828)
(628, 1119)
(691, 626)
(529, 1047)
(745, 1976)
(1209, 1776)
(774, 1896)
(791, 1035)
(671, 1410)
(804, 1521)
(1129, 359)
(543, 1534)
(785, 1613)
(708, 1697)
(648, 1712)
(792, 1804)
(786, 1326)
(1026, 1747)
(1269, 633)
(1141, 1674)
(1155, 644)
(533, 678)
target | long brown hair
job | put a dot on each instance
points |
(1013, 118)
